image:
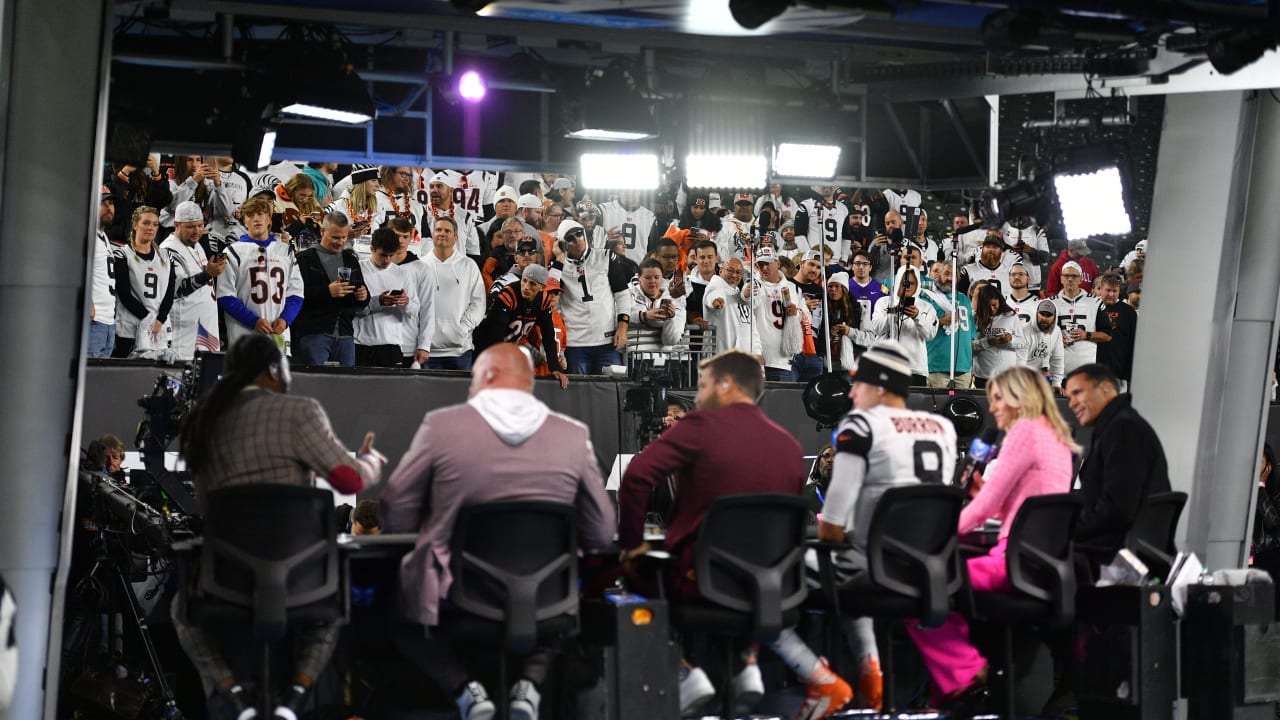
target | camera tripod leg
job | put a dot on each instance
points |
(168, 707)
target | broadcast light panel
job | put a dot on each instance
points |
(620, 172)
(806, 161)
(726, 171)
(1092, 204)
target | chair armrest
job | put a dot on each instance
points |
(828, 545)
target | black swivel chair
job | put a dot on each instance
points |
(914, 568)
(1041, 571)
(515, 579)
(1152, 536)
(749, 562)
(268, 557)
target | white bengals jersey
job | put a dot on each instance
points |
(588, 303)
(468, 237)
(826, 226)
(880, 448)
(732, 321)
(236, 186)
(781, 336)
(261, 277)
(1035, 239)
(198, 309)
(475, 190)
(104, 280)
(635, 226)
(1025, 309)
(1084, 312)
(148, 284)
(735, 239)
(903, 201)
(405, 205)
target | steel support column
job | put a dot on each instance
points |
(1206, 359)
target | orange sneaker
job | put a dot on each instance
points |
(871, 685)
(827, 693)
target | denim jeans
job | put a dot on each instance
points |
(807, 367)
(779, 375)
(461, 362)
(102, 339)
(320, 348)
(591, 360)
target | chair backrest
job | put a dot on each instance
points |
(1152, 536)
(1038, 554)
(913, 548)
(516, 563)
(270, 548)
(750, 557)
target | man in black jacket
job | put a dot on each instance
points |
(334, 292)
(1123, 465)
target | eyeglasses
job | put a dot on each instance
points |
(555, 215)
(404, 173)
(862, 263)
(1070, 275)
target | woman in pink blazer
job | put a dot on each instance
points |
(1035, 459)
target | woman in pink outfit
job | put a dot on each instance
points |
(1035, 459)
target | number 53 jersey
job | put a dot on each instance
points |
(880, 448)
(262, 276)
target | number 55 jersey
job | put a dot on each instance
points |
(880, 448)
(262, 280)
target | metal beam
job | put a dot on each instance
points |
(952, 114)
(904, 141)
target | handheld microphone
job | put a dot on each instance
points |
(981, 450)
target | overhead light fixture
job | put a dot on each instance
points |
(726, 171)
(471, 87)
(1092, 203)
(609, 135)
(320, 112)
(1234, 50)
(799, 160)
(254, 146)
(620, 172)
(751, 14)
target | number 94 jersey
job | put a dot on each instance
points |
(898, 447)
(262, 276)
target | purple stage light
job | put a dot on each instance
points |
(471, 86)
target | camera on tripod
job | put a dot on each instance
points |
(649, 401)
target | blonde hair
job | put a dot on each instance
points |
(362, 201)
(138, 212)
(302, 182)
(1026, 390)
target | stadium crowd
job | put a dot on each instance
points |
(351, 267)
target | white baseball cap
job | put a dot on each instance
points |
(529, 201)
(506, 192)
(187, 211)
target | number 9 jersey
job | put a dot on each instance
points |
(262, 276)
(880, 448)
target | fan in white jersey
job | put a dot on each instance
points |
(1081, 319)
(397, 199)
(1043, 348)
(261, 289)
(737, 231)
(102, 311)
(473, 190)
(144, 289)
(778, 317)
(195, 311)
(595, 311)
(993, 264)
(822, 220)
(1022, 300)
(728, 311)
(881, 444)
(358, 202)
(393, 304)
(627, 220)
(1028, 244)
(440, 202)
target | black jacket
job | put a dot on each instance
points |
(320, 310)
(1123, 465)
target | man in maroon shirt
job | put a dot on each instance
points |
(725, 447)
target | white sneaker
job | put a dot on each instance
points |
(696, 691)
(474, 703)
(748, 689)
(524, 701)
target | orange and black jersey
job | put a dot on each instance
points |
(510, 318)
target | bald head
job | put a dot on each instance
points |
(503, 365)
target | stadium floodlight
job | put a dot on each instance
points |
(471, 87)
(608, 135)
(726, 171)
(320, 112)
(620, 171)
(799, 160)
(1092, 203)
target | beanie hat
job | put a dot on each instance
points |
(885, 365)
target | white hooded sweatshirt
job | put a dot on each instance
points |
(912, 333)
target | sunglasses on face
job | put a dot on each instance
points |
(528, 251)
